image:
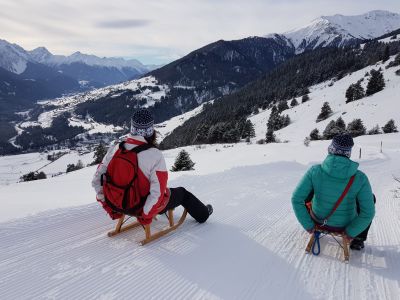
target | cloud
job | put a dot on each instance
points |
(159, 30)
(132, 23)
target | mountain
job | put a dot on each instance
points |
(90, 69)
(340, 30)
(224, 119)
(224, 66)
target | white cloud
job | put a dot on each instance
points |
(158, 30)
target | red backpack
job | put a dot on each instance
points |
(120, 182)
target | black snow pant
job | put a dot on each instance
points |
(195, 208)
(363, 235)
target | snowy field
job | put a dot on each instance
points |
(54, 243)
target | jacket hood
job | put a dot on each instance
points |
(339, 166)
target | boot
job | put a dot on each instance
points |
(357, 244)
(210, 209)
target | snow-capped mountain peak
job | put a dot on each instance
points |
(40, 54)
(340, 30)
(13, 58)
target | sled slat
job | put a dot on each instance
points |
(344, 244)
(310, 243)
(149, 237)
(119, 228)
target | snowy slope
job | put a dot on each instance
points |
(13, 58)
(338, 30)
(375, 109)
(251, 247)
(69, 103)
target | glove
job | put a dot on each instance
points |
(113, 215)
(144, 220)
(100, 197)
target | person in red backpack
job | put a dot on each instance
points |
(152, 176)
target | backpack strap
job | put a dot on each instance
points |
(136, 149)
(344, 193)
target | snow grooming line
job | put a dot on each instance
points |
(149, 237)
(314, 241)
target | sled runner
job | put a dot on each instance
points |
(314, 242)
(149, 236)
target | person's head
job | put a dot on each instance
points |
(341, 145)
(142, 123)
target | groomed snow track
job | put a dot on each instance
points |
(251, 248)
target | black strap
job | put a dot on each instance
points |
(136, 149)
(133, 211)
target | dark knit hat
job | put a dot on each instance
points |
(341, 145)
(142, 123)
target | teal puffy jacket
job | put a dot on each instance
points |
(328, 181)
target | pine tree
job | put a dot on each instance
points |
(375, 130)
(395, 62)
(314, 135)
(356, 128)
(350, 93)
(248, 130)
(390, 127)
(386, 54)
(305, 98)
(294, 102)
(341, 125)
(326, 112)
(99, 153)
(282, 105)
(270, 136)
(331, 130)
(183, 162)
(359, 92)
(306, 141)
(376, 83)
(355, 92)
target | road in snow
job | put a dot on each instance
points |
(251, 248)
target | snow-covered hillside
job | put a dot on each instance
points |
(376, 109)
(339, 30)
(252, 246)
(13, 58)
(68, 103)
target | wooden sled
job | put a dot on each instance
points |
(149, 237)
(344, 245)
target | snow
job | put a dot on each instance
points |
(68, 103)
(165, 128)
(13, 167)
(252, 246)
(325, 29)
(371, 110)
(13, 58)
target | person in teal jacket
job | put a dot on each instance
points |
(323, 185)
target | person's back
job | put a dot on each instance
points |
(323, 184)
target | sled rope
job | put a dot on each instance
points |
(316, 243)
(337, 241)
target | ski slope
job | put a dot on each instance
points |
(252, 247)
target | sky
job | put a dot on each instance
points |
(159, 31)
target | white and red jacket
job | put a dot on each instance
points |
(152, 177)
